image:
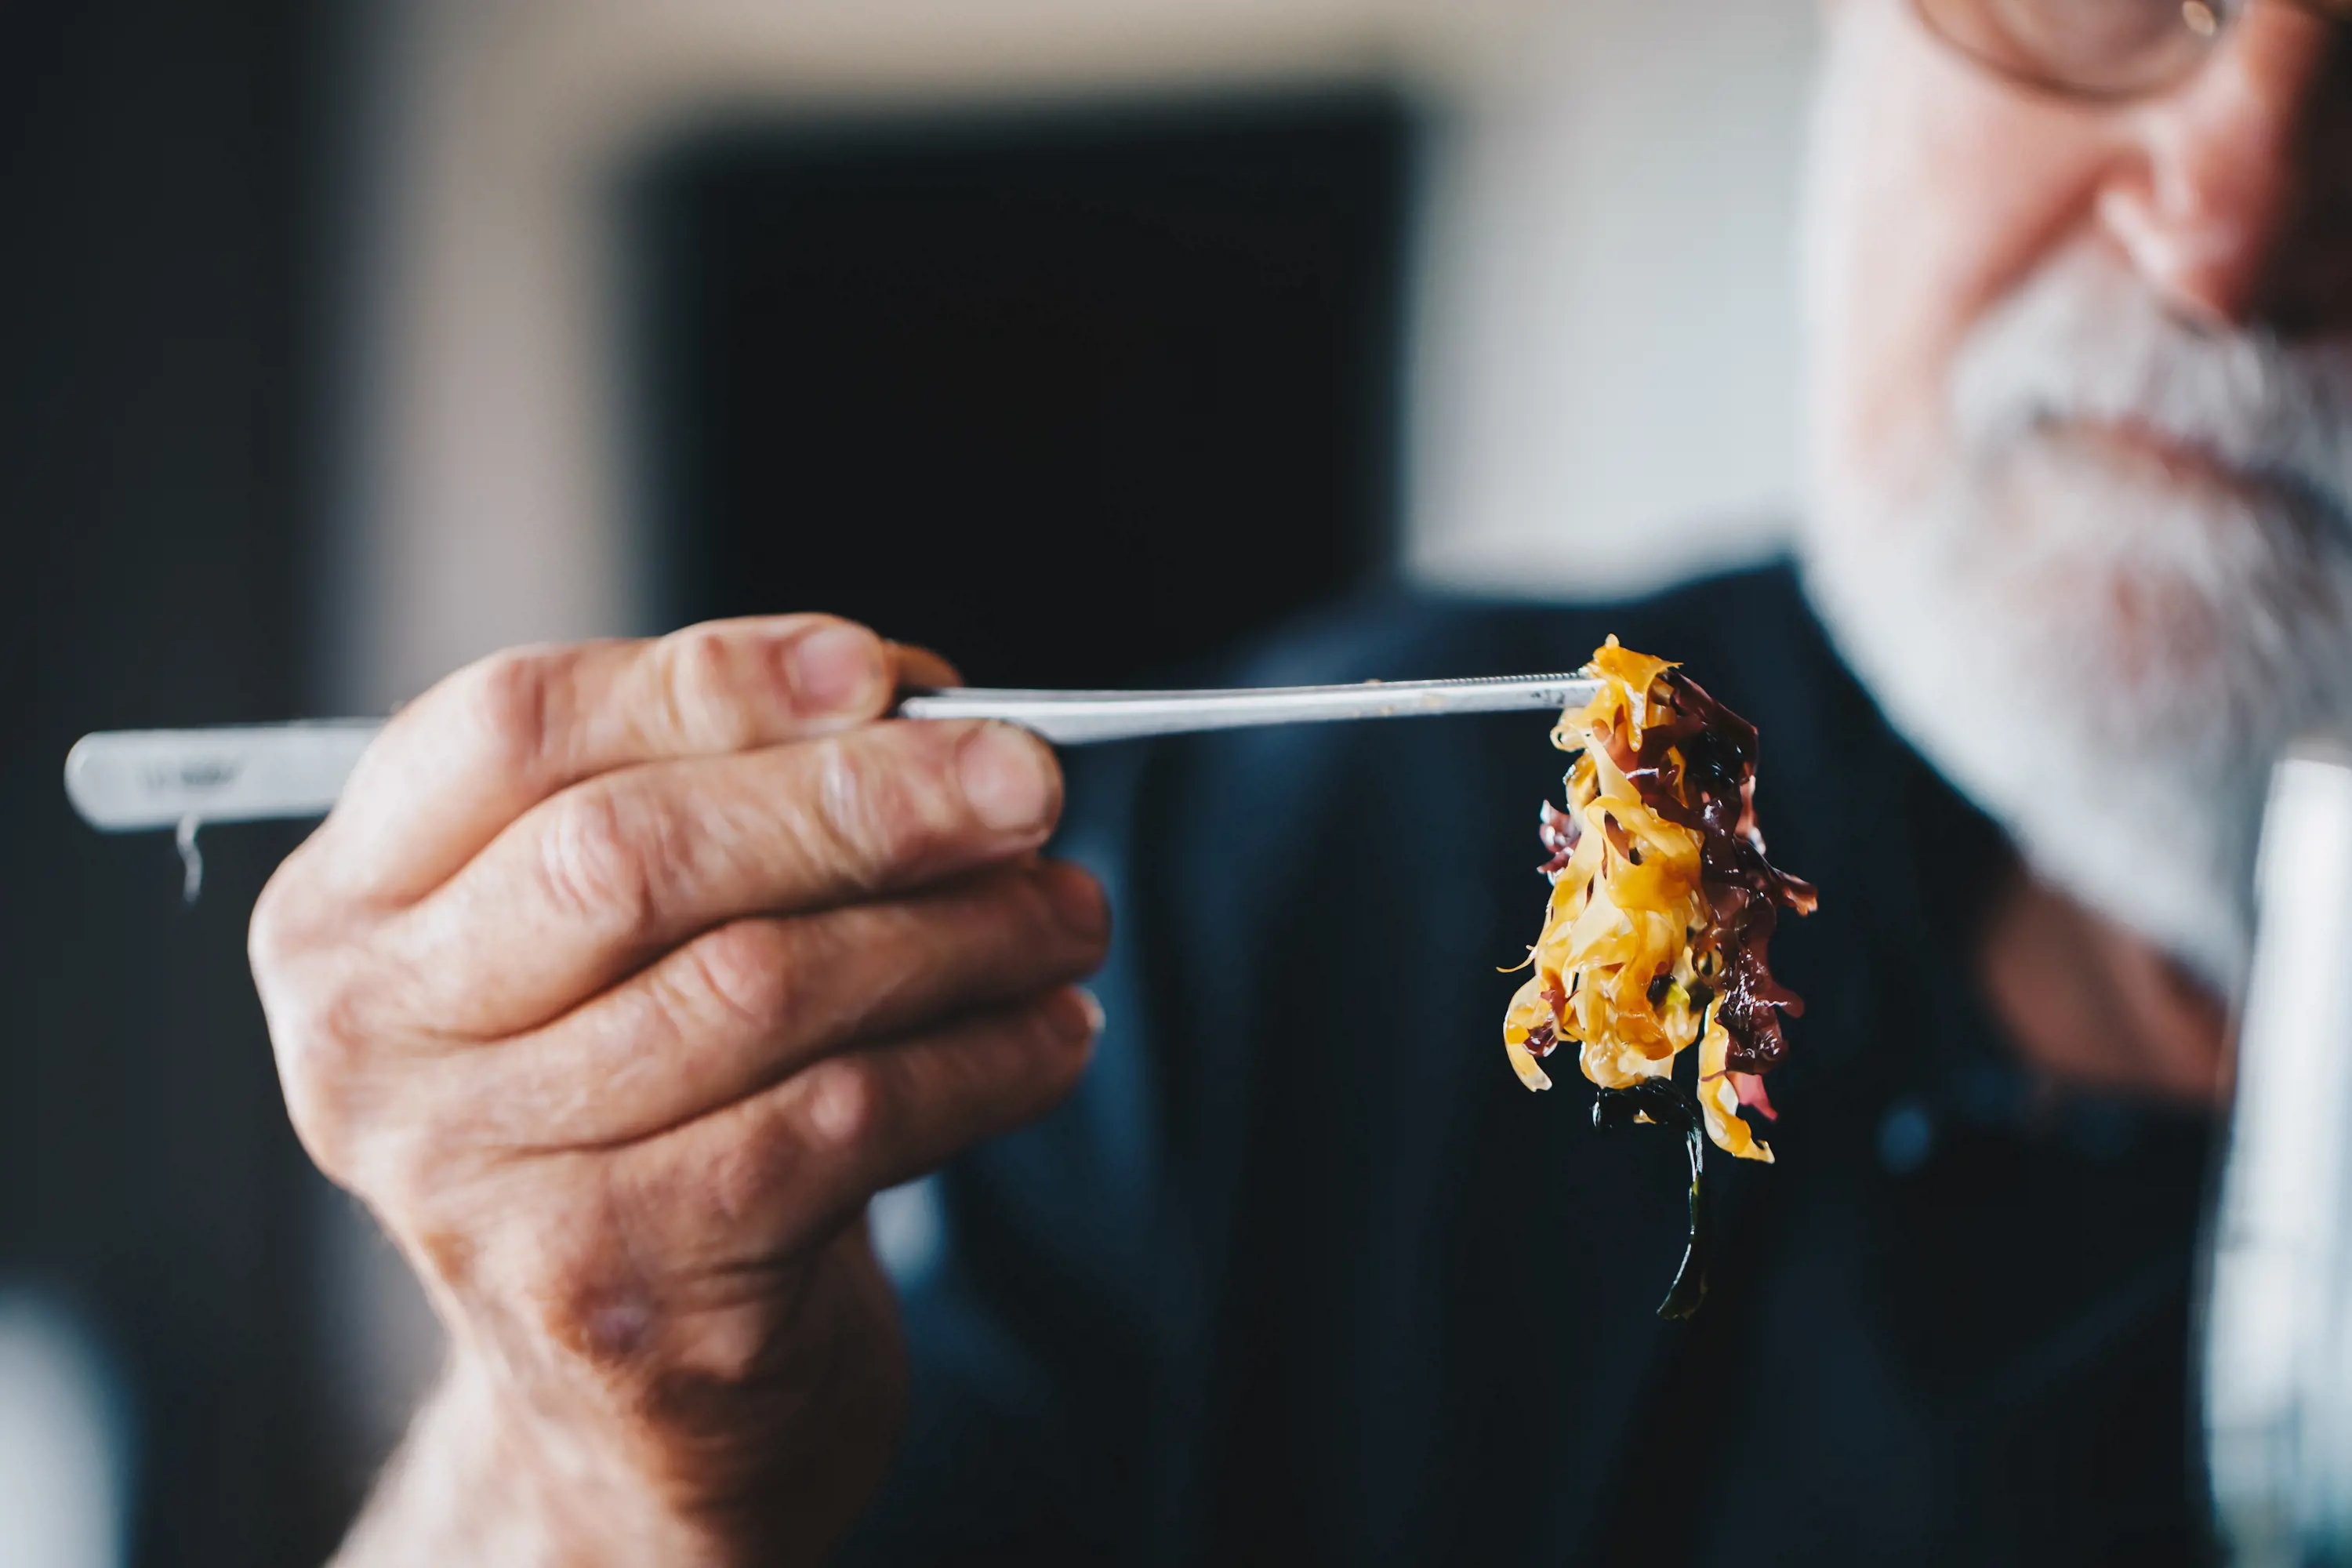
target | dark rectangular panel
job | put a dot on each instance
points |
(1068, 396)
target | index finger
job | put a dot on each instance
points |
(465, 759)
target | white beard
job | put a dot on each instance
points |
(2106, 655)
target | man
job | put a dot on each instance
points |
(626, 973)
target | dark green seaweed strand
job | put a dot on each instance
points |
(1668, 1104)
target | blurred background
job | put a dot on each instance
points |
(343, 340)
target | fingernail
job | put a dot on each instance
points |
(1007, 776)
(836, 669)
(1077, 900)
(1093, 1005)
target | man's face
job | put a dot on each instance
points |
(2083, 437)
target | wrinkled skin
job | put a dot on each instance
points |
(620, 979)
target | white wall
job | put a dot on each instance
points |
(1606, 389)
(1605, 371)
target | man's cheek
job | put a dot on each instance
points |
(1879, 324)
(1936, 190)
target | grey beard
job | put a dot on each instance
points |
(2106, 666)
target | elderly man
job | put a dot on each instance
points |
(626, 973)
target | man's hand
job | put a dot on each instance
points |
(621, 978)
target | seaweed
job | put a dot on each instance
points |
(1665, 1103)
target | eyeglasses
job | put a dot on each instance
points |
(2094, 49)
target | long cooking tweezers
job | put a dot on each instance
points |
(127, 779)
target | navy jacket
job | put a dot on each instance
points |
(1302, 1274)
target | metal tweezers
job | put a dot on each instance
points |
(125, 780)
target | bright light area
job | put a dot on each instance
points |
(2281, 1309)
(61, 1446)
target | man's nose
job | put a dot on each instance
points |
(2232, 202)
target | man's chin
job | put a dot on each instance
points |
(2079, 682)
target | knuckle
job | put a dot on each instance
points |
(746, 971)
(324, 995)
(600, 857)
(316, 1112)
(278, 931)
(299, 916)
(512, 699)
(870, 816)
(855, 812)
(318, 1115)
(847, 1105)
(321, 1046)
(701, 684)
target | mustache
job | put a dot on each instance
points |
(2086, 340)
